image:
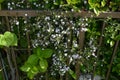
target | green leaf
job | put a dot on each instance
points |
(34, 70)
(91, 3)
(47, 53)
(8, 39)
(33, 59)
(96, 11)
(112, 43)
(72, 73)
(57, 2)
(2, 41)
(117, 37)
(30, 75)
(26, 67)
(37, 51)
(73, 1)
(15, 42)
(103, 3)
(43, 65)
(118, 65)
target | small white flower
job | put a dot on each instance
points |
(9, 4)
(84, 29)
(75, 56)
(17, 22)
(26, 14)
(25, 22)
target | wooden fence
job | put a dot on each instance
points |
(84, 14)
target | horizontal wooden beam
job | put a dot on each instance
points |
(33, 13)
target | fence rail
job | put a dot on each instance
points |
(33, 13)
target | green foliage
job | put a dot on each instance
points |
(111, 32)
(72, 73)
(53, 32)
(32, 0)
(43, 65)
(96, 5)
(37, 62)
(73, 1)
(33, 59)
(103, 5)
(1, 1)
(1, 77)
(8, 39)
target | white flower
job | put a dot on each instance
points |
(84, 29)
(75, 56)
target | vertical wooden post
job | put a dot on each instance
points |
(81, 44)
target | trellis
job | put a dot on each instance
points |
(84, 14)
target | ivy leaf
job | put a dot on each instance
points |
(33, 59)
(43, 65)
